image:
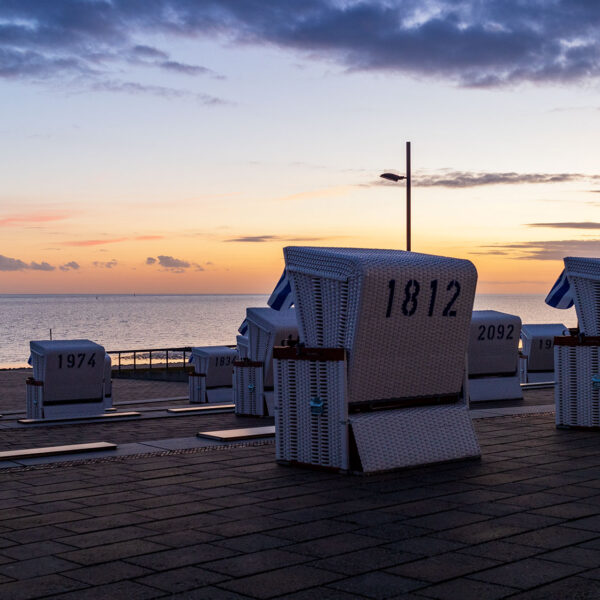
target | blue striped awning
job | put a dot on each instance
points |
(561, 294)
(282, 297)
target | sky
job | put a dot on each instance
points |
(176, 146)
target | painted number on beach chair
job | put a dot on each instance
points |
(410, 302)
(78, 360)
(223, 361)
(493, 332)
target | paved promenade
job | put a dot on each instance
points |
(228, 522)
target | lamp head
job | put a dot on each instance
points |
(392, 177)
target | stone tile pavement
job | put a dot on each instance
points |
(523, 522)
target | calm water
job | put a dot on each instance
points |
(134, 322)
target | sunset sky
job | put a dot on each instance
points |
(176, 146)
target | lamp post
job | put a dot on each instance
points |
(395, 178)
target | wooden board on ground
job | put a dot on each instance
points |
(115, 416)
(56, 450)
(232, 435)
(210, 408)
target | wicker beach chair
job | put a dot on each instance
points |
(213, 369)
(494, 356)
(253, 375)
(536, 361)
(378, 380)
(68, 380)
(577, 358)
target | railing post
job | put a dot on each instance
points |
(150, 358)
(134, 357)
(119, 362)
(167, 359)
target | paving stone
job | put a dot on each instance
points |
(569, 510)
(38, 587)
(36, 549)
(571, 588)
(424, 546)
(553, 537)
(109, 552)
(311, 531)
(208, 593)
(393, 531)
(98, 538)
(324, 593)
(180, 539)
(501, 551)
(442, 567)
(280, 581)
(445, 520)
(122, 589)
(574, 555)
(362, 561)
(253, 542)
(527, 573)
(35, 567)
(255, 562)
(182, 579)
(181, 557)
(378, 585)
(335, 544)
(108, 572)
(467, 589)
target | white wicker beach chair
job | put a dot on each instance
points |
(494, 356)
(537, 354)
(267, 328)
(213, 368)
(577, 358)
(401, 321)
(68, 379)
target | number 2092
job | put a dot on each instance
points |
(409, 303)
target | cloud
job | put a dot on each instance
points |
(471, 43)
(273, 238)
(16, 264)
(105, 265)
(94, 242)
(567, 225)
(43, 266)
(24, 219)
(172, 263)
(545, 250)
(70, 266)
(132, 87)
(11, 264)
(139, 238)
(466, 179)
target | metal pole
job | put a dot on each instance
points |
(408, 196)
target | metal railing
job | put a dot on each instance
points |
(150, 358)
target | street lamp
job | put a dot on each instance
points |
(395, 178)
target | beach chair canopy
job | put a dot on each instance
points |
(493, 343)
(268, 328)
(538, 344)
(584, 277)
(69, 369)
(402, 317)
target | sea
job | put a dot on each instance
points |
(141, 322)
